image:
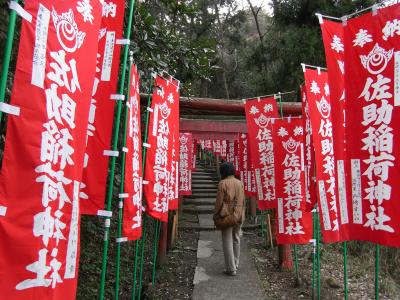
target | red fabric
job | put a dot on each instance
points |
(372, 106)
(101, 112)
(208, 145)
(332, 33)
(236, 157)
(194, 150)
(185, 163)
(216, 147)
(243, 162)
(230, 152)
(132, 213)
(173, 93)
(43, 158)
(311, 196)
(258, 114)
(294, 225)
(159, 155)
(224, 149)
(321, 124)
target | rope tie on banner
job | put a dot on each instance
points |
(3, 211)
(121, 239)
(123, 195)
(122, 41)
(124, 149)
(303, 66)
(13, 5)
(119, 97)
(111, 153)
(145, 182)
(146, 145)
(10, 109)
(149, 109)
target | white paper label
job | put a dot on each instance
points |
(155, 120)
(324, 205)
(108, 56)
(342, 192)
(356, 191)
(39, 52)
(397, 78)
(72, 249)
(280, 216)
(259, 185)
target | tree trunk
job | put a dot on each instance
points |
(285, 257)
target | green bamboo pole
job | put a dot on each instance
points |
(377, 254)
(122, 185)
(7, 56)
(314, 255)
(280, 105)
(144, 152)
(318, 258)
(346, 292)
(114, 148)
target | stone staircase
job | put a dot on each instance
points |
(201, 202)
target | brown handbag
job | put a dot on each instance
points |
(226, 216)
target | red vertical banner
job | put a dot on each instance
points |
(236, 157)
(216, 147)
(224, 149)
(243, 162)
(194, 150)
(44, 151)
(294, 224)
(156, 186)
(132, 212)
(309, 161)
(101, 113)
(185, 162)
(230, 152)
(208, 145)
(173, 96)
(321, 124)
(258, 116)
(332, 34)
(372, 60)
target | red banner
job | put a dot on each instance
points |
(294, 224)
(321, 124)
(332, 33)
(243, 162)
(185, 161)
(194, 150)
(44, 151)
(173, 96)
(223, 149)
(236, 157)
(258, 114)
(309, 161)
(132, 213)
(372, 60)
(216, 147)
(230, 152)
(101, 114)
(159, 153)
(208, 145)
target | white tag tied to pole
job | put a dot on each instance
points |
(124, 149)
(149, 109)
(320, 19)
(146, 145)
(123, 196)
(303, 67)
(104, 213)
(10, 109)
(121, 204)
(145, 182)
(3, 211)
(110, 153)
(122, 41)
(344, 20)
(20, 11)
(117, 97)
(121, 239)
(107, 223)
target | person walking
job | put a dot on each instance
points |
(229, 215)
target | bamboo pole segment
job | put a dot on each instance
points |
(135, 270)
(114, 148)
(7, 56)
(156, 237)
(144, 153)
(345, 285)
(122, 184)
(318, 257)
(314, 260)
(296, 263)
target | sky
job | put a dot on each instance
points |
(264, 3)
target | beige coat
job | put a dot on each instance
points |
(228, 188)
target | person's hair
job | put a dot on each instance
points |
(227, 169)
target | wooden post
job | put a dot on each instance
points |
(162, 244)
(217, 166)
(174, 229)
(285, 257)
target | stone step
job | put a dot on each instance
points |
(206, 223)
(204, 185)
(204, 195)
(198, 209)
(204, 190)
(209, 180)
(204, 176)
(199, 201)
